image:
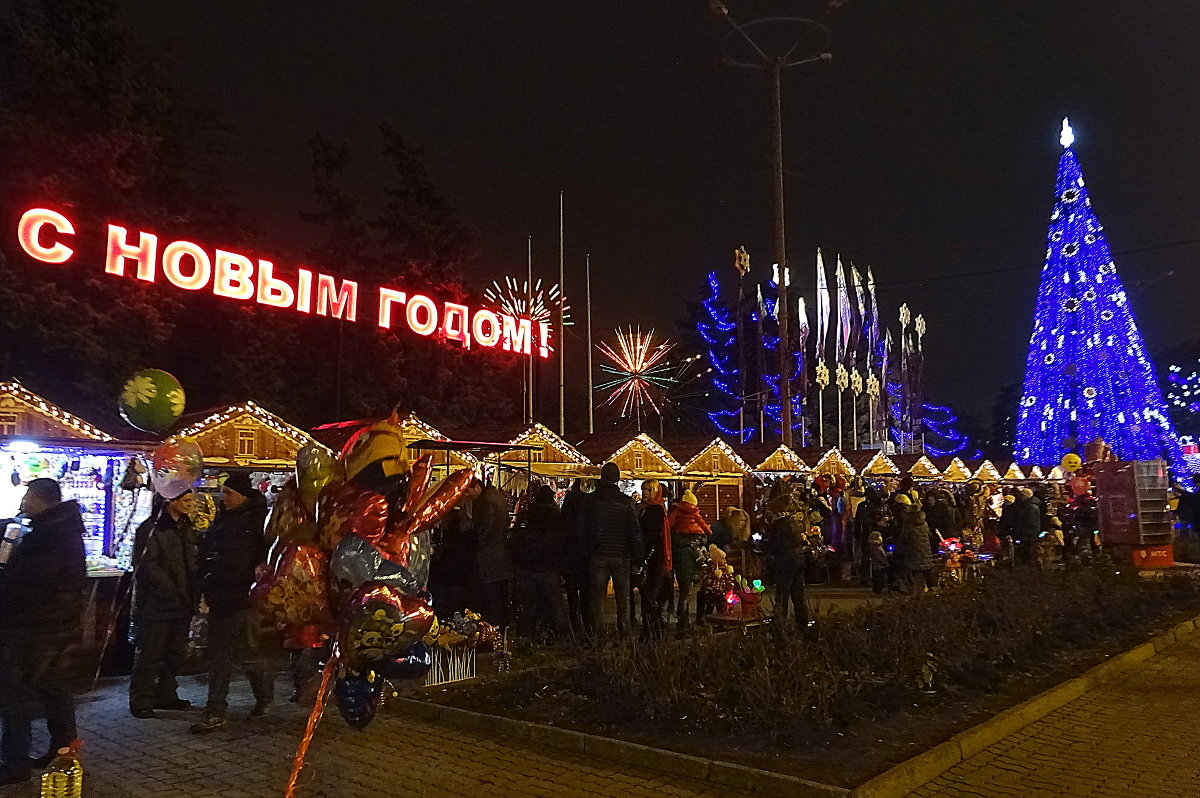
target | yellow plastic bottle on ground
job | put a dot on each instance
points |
(64, 779)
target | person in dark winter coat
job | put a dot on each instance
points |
(787, 546)
(231, 552)
(41, 596)
(1026, 525)
(164, 600)
(690, 534)
(452, 567)
(609, 528)
(915, 557)
(660, 571)
(576, 577)
(493, 565)
(872, 516)
(539, 554)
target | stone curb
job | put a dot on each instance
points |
(726, 774)
(911, 774)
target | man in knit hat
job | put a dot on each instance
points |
(609, 529)
(230, 554)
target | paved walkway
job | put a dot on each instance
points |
(128, 758)
(1135, 737)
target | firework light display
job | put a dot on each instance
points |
(640, 374)
(537, 303)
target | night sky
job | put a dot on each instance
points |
(926, 148)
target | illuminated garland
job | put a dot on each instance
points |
(1087, 375)
(725, 449)
(552, 440)
(52, 412)
(788, 455)
(652, 446)
(273, 422)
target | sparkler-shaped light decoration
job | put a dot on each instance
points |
(640, 374)
(537, 303)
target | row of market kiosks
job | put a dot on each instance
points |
(38, 438)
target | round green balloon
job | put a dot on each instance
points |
(152, 400)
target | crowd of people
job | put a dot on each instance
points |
(544, 567)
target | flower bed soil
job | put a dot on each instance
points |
(887, 691)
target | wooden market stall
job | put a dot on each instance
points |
(917, 466)
(718, 476)
(872, 464)
(834, 463)
(244, 436)
(40, 439)
(984, 471)
(773, 461)
(953, 468)
(639, 458)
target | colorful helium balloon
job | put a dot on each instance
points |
(289, 519)
(355, 562)
(316, 468)
(298, 593)
(359, 696)
(412, 664)
(381, 622)
(152, 400)
(394, 543)
(175, 466)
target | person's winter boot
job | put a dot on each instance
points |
(210, 721)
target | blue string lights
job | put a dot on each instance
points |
(939, 422)
(1087, 374)
(718, 329)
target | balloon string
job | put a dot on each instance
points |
(310, 728)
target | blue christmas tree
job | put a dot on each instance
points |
(1087, 374)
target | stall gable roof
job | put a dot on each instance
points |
(834, 462)
(73, 425)
(412, 423)
(1035, 472)
(924, 467)
(1014, 472)
(652, 446)
(880, 465)
(722, 447)
(987, 472)
(953, 469)
(553, 440)
(782, 459)
(236, 413)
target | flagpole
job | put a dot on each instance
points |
(562, 344)
(591, 403)
(527, 370)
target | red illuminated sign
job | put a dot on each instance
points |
(189, 266)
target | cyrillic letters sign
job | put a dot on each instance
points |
(44, 234)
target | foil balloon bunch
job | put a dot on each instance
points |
(352, 561)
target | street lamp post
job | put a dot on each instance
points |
(771, 45)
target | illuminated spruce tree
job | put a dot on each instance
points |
(1087, 374)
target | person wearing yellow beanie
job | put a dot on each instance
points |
(689, 535)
